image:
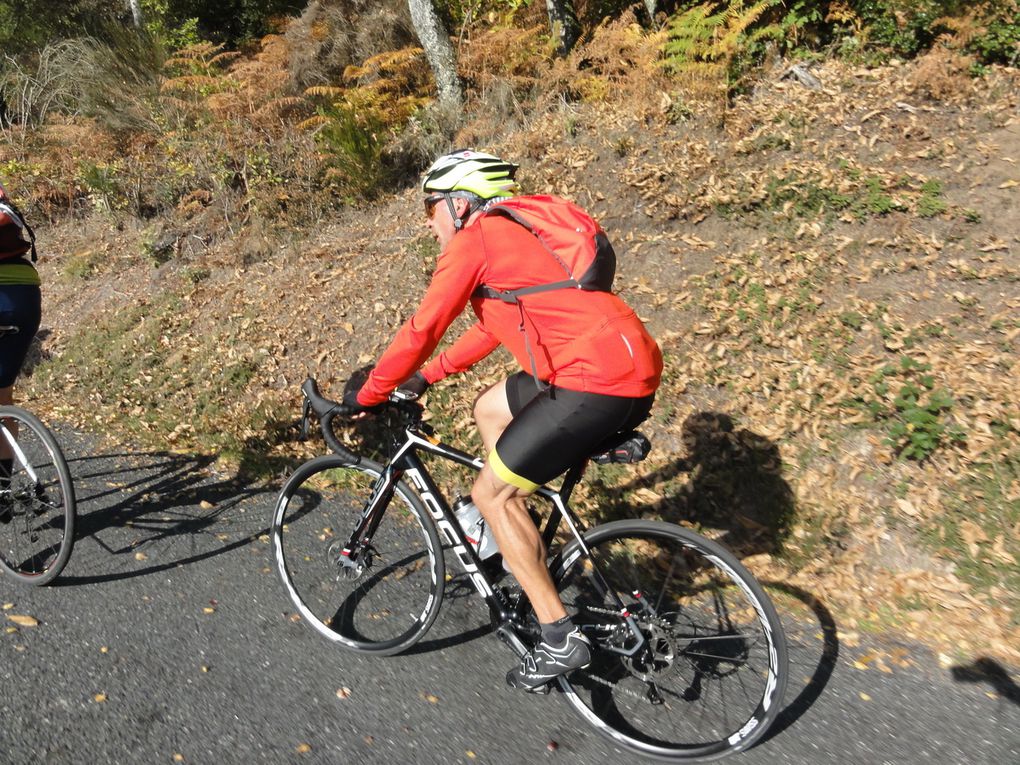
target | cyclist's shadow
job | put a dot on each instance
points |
(730, 481)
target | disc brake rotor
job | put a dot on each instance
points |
(657, 658)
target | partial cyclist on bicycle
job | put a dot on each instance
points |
(20, 307)
(589, 370)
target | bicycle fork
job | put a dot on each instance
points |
(354, 556)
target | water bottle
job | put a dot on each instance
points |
(474, 527)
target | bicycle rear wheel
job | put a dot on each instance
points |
(711, 676)
(390, 599)
(37, 506)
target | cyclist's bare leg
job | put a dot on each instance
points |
(492, 414)
(502, 506)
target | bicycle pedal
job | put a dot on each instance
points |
(542, 690)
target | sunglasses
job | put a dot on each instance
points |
(430, 204)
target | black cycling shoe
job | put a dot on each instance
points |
(547, 662)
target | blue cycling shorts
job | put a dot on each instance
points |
(21, 307)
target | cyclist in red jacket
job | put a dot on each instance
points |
(592, 371)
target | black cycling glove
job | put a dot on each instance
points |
(353, 387)
(412, 388)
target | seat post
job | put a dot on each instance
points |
(571, 479)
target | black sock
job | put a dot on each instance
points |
(556, 633)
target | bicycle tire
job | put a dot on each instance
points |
(37, 502)
(390, 604)
(710, 622)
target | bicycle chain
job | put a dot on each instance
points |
(614, 686)
(606, 611)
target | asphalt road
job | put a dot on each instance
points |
(168, 639)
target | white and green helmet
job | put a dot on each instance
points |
(474, 172)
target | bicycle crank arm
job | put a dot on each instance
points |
(506, 633)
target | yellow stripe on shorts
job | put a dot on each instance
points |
(509, 476)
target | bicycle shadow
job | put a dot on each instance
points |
(812, 639)
(985, 670)
(141, 508)
(734, 484)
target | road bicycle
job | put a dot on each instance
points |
(37, 505)
(689, 659)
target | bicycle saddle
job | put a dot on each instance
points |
(626, 446)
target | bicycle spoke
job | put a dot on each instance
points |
(665, 586)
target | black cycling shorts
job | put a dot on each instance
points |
(555, 429)
(21, 307)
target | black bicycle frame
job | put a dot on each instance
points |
(506, 616)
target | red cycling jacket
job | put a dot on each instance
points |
(580, 340)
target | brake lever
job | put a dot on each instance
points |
(305, 416)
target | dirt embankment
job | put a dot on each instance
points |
(833, 276)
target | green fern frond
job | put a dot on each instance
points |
(718, 32)
(738, 22)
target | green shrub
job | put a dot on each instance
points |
(101, 182)
(905, 27)
(916, 416)
(355, 143)
(999, 40)
(234, 22)
(931, 203)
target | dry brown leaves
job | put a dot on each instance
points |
(750, 310)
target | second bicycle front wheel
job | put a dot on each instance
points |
(386, 601)
(709, 677)
(37, 506)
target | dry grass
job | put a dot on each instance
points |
(941, 74)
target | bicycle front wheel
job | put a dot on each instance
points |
(37, 506)
(710, 676)
(387, 600)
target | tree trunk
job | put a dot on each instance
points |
(650, 6)
(438, 50)
(563, 22)
(136, 12)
